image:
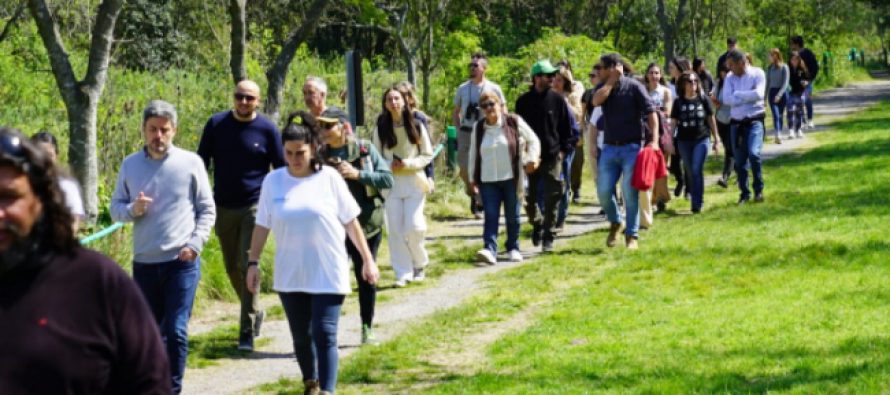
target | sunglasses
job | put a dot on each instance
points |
(486, 105)
(241, 96)
(326, 125)
(11, 150)
(474, 65)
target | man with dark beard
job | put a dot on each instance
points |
(71, 321)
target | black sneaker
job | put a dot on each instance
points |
(758, 198)
(559, 227)
(678, 190)
(722, 182)
(743, 200)
(258, 323)
(548, 246)
(660, 206)
(536, 235)
(245, 341)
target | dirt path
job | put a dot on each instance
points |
(275, 359)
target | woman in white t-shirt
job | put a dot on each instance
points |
(310, 210)
(405, 145)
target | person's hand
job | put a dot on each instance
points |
(397, 165)
(653, 145)
(531, 167)
(432, 184)
(370, 272)
(615, 74)
(253, 279)
(716, 146)
(187, 254)
(777, 99)
(140, 205)
(472, 189)
(804, 83)
(348, 171)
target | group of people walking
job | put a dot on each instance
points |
(325, 194)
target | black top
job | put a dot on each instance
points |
(624, 110)
(547, 113)
(810, 60)
(692, 117)
(78, 325)
(796, 78)
(240, 155)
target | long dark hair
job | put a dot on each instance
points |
(53, 231)
(386, 131)
(302, 126)
(646, 76)
(800, 63)
(682, 64)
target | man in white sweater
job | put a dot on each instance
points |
(165, 192)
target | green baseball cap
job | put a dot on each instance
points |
(543, 67)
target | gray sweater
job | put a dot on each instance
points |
(182, 210)
(776, 77)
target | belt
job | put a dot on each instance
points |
(749, 120)
(621, 143)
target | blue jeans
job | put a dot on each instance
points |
(694, 153)
(169, 288)
(313, 325)
(493, 194)
(777, 108)
(808, 100)
(748, 141)
(615, 162)
(563, 210)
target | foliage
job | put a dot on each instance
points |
(149, 36)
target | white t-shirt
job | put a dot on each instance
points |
(71, 192)
(307, 217)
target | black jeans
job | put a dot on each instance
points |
(367, 293)
(546, 182)
(723, 130)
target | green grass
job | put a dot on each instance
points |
(786, 296)
(205, 349)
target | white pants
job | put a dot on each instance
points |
(407, 227)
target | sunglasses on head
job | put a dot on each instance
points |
(486, 104)
(242, 96)
(11, 149)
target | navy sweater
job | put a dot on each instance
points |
(240, 154)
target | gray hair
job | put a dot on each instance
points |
(736, 56)
(318, 82)
(159, 108)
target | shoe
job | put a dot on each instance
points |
(400, 283)
(758, 198)
(484, 256)
(547, 246)
(602, 212)
(536, 235)
(311, 387)
(696, 210)
(678, 190)
(687, 196)
(368, 335)
(631, 242)
(419, 274)
(778, 140)
(743, 200)
(576, 199)
(811, 125)
(245, 341)
(258, 323)
(660, 206)
(722, 182)
(800, 134)
(515, 256)
(613, 235)
(559, 227)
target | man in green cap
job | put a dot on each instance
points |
(548, 115)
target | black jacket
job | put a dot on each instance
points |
(547, 113)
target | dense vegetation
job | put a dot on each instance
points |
(180, 51)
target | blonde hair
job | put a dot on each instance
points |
(490, 95)
(777, 55)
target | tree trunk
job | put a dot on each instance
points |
(238, 14)
(669, 28)
(81, 98)
(11, 22)
(277, 72)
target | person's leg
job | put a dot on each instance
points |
(554, 189)
(755, 145)
(698, 153)
(631, 195)
(399, 255)
(808, 101)
(531, 199)
(228, 229)
(565, 197)
(676, 169)
(325, 316)
(179, 294)
(367, 293)
(723, 129)
(645, 204)
(249, 301)
(607, 177)
(298, 311)
(511, 213)
(491, 204)
(686, 147)
(775, 111)
(739, 138)
(577, 170)
(415, 222)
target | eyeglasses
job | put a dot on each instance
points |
(486, 105)
(692, 81)
(591, 75)
(474, 65)
(241, 96)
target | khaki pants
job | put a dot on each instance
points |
(234, 228)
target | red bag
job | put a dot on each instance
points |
(649, 167)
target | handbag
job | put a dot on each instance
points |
(666, 141)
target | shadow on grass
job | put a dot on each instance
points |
(221, 343)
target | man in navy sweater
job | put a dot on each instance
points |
(240, 146)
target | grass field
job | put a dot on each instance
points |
(788, 296)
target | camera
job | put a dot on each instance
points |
(472, 112)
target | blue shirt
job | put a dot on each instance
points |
(240, 155)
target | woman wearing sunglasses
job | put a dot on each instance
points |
(501, 146)
(693, 115)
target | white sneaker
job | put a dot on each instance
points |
(811, 125)
(484, 256)
(515, 256)
(800, 134)
(400, 283)
(419, 274)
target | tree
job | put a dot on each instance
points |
(238, 15)
(670, 27)
(81, 97)
(19, 10)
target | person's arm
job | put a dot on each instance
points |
(668, 101)
(369, 268)
(715, 140)
(652, 121)
(205, 214)
(425, 154)
(566, 127)
(121, 199)
(275, 148)
(205, 146)
(455, 113)
(381, 176)
(604, 91)
(532, 153)
(752, 95)
(257, 243)
(786, 80)
(471, 158)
